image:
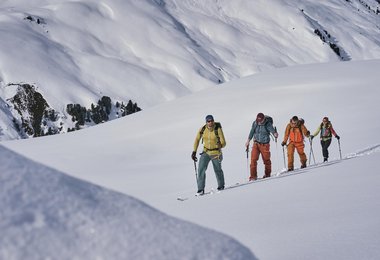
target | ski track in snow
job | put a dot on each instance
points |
(283, 173)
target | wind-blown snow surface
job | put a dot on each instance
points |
(48, 215)
(326, 213)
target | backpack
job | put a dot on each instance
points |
(300, 122)
(327, 132)
(268, 119)
(217, 126)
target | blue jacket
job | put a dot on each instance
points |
(260, 131)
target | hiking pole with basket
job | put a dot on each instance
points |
(340, 151)
(311, 151)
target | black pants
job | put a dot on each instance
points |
(325, 145)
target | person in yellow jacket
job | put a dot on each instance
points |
(295, 132)
(213, 142)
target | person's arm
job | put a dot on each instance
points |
(333, 132)
(272, 130)
(197, 140)
(305, 131)
(286, 135)
(250, 136)
(221, 138)
(317, 131)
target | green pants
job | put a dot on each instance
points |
(216, 163)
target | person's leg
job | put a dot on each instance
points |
(254, 158)
(325, 145)
(201, 179)
(300, 150)
(265, 154)
(217, 164)
(291, 157)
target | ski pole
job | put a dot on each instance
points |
(196, 175)
(247, 151)
(311, 151)
(278, 163)
(283, 153)
(311, 148)
(275, 130)
(340, 151)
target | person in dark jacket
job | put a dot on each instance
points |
(260, 133)
(327, 131)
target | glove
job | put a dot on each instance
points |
(311, 137)
(337, 137)
(194, 156)
(308, 133)
(283, 143)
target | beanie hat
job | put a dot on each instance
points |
(209, 118)
(260, 117)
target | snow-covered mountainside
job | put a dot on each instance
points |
(151, 51)
(322, 213)
(48, 215)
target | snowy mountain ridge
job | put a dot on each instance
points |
(76, 52)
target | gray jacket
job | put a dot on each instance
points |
(260, 131)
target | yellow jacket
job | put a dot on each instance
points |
(211, 146)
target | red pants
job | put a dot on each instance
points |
(264, 150)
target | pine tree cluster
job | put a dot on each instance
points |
(99, 113)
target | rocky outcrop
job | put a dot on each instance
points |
(33, 116)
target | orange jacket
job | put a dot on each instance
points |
(296, 133)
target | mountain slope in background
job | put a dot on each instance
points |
(151, 51)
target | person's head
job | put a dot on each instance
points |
(209, 120)
(325, 120)
(294, 120)
(260, 118)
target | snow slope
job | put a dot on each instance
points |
(326, 213)
(48, 215)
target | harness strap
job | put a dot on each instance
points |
(215, 149)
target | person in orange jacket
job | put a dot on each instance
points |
(295, 132)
